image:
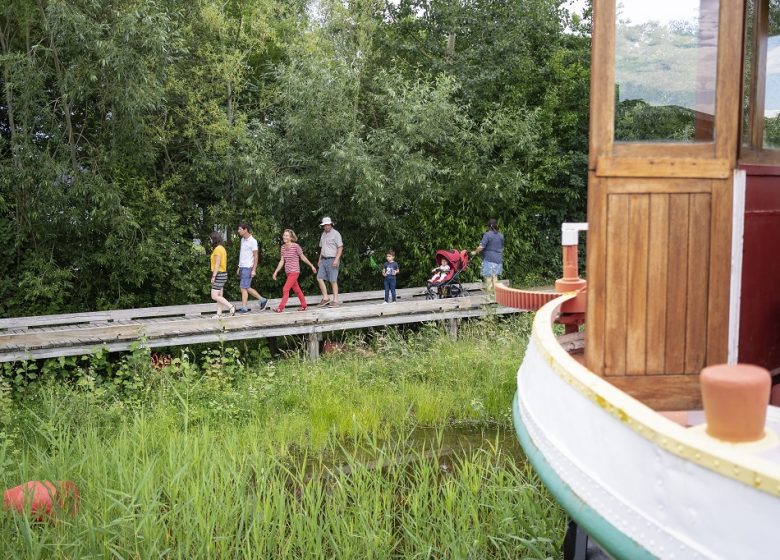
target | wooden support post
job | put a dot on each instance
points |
(273, 346)
(452, 328)
(313, 345)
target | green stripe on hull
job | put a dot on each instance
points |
(609, 537)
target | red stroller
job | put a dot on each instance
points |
(449, 285)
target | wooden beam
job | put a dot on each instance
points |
(673, 167)
(452, 328)
(662, 392)
(313, 346)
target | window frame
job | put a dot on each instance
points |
(754, 152)
(662, 158)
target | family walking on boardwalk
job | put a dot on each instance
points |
(491, 248)
(331, 248)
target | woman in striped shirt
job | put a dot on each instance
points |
(291, 252)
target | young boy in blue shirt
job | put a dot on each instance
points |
(389, 271)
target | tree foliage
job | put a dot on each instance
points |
(129, 128)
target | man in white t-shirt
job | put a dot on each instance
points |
(248, 259)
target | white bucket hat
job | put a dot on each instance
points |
(326, 221)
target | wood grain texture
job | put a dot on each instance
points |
(596, 264)
(259, 331)
(760, 157)
(657, 282)
(602, 81)
(698, 282)
(662, 150)
(615, 323)
(758, 78)
(677, 284)
(660, 232)
(673, 167)
(638, 240)
(649, 185)
(719, 272)
(80, 339)
(662, 392)
(193, 310)
(728, 108)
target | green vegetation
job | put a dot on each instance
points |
(233, 456)
(772, 132)
(638, 121)
(130, 127)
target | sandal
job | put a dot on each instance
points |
(277, 310)
(302, 308)
(324, 301)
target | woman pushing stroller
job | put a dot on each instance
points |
(491, 247)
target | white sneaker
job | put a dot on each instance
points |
(385, 302)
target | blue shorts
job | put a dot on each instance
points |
(327, 271)
(492, 269)
(245, 277)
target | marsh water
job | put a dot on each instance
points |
(447, 446)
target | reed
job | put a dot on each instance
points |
(215, 493)
(288, 460)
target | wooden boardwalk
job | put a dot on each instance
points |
(49, 336)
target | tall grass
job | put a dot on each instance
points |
(214, 493)
(288, 459)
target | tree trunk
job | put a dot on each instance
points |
(450, 46)
(66, 105)
(230, 102)
(5, 44)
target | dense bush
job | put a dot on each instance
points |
(130, 128)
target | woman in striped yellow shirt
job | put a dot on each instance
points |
(219, 274)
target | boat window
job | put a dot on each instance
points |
(665, 70)
(761, 82)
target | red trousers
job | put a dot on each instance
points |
(292, 282)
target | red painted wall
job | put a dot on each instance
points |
(759, 324)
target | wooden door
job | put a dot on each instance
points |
(659, 238)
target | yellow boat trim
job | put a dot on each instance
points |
(730, 460)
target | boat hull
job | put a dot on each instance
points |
(639, 484)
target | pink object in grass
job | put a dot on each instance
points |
(39, 498)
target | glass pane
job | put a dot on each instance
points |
(665, 70)
(772, 89)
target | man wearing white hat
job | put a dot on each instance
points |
(331, 247)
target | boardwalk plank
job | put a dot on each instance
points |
(173, 311)
(164, 331)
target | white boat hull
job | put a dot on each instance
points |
(639, 484)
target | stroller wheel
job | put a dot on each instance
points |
(430, 295)
(455, 290)
(464, 293)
